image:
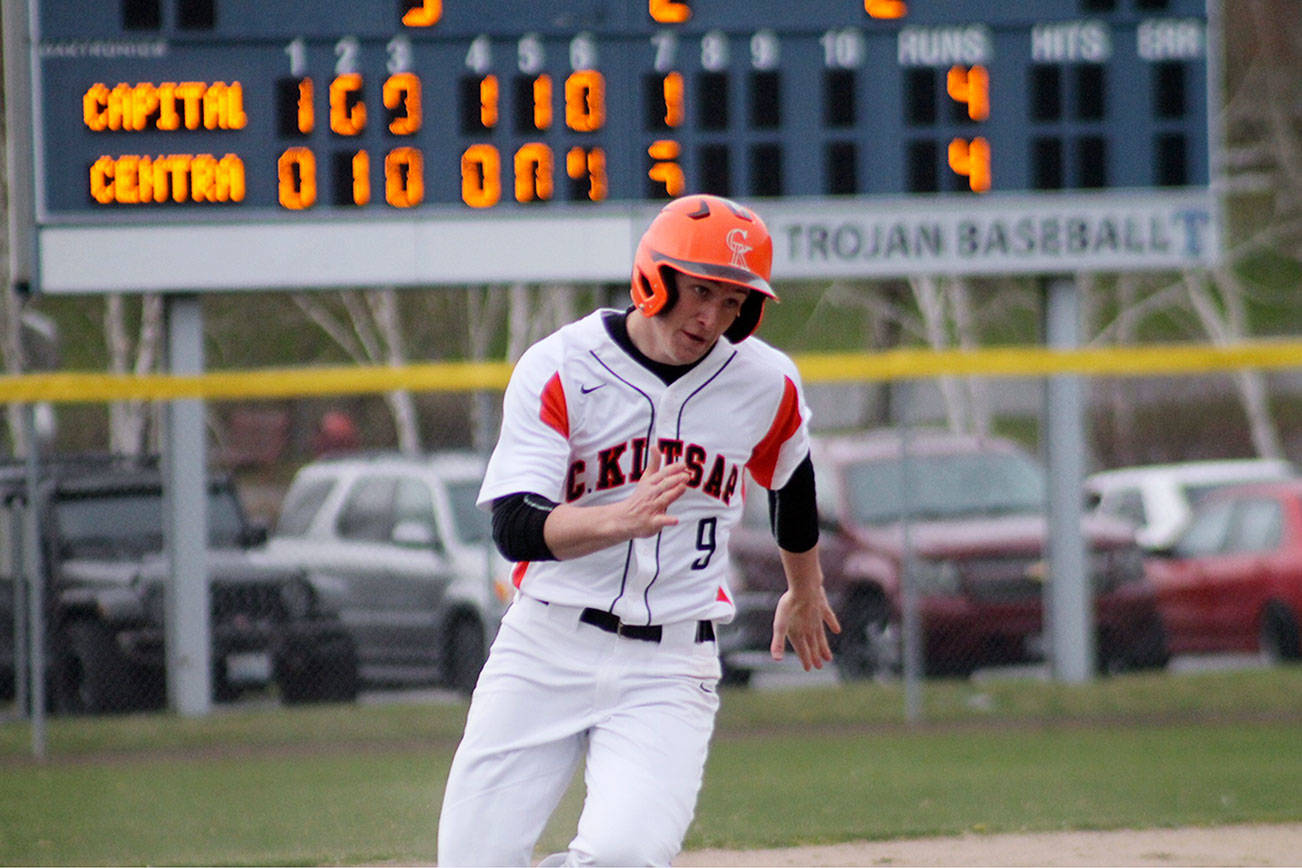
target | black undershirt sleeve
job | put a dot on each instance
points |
(518, 521)
(793, 510)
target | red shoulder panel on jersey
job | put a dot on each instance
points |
(552, 411)
(764, 459)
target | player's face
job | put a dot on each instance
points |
(690, 328)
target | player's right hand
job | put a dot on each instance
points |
(573, 531)
(647, 507)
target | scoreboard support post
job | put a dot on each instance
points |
(1068, 597)
(185, 526)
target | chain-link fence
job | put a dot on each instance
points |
(936, 546)
(100, 599)
(379, 573)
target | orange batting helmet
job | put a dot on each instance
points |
(708, 237)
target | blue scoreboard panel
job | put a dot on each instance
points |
(241, 144)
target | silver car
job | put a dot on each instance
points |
(396, 547)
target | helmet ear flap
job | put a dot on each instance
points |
(670, 283)
(654, 290)
(648, 290)
(748, 318)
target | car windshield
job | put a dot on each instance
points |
(133, 521)
(472, 523)
(944, 486)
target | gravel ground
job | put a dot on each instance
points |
(1219, 845)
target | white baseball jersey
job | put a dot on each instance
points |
(579, 416)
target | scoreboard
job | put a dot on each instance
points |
(244, 144)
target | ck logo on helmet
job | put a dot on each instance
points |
(736, 242)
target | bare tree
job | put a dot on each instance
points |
(367, 326)
(129, 421)
(945, 307)
(1217, 299)
(485, 308)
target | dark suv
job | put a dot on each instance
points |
(100, 521)
(977, 532)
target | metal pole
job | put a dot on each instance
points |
(18, 570)
(910, 617)
(20, 157)
(35, 585)
(185, 489)
(1068, 597)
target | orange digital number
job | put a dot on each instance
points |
(361, 178)
(306, 115)
(673, 88)
(423, 13)
(888, 9)
(665, 168)
(580, 163)
(542, 102)
(669, 11)
(296, 170)
(402, 90)
(488, 99)
(533, 172)
(585, 101)
(970, 87)
(347, 111)
(481, 176)
(404, 178)
(971, 160)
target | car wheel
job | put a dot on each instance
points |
(1150, 650)
(868, 646)
(734, 676)
(1278, 635)
(91, 676)
(319, 670)
(1110, 656)
(466, 653)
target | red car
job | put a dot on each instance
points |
(1233, 580)
(976, 529)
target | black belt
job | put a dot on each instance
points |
(610, 622)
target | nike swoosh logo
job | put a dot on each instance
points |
(586, 389)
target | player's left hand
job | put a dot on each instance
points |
(803, 619)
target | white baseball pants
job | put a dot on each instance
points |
(554, 691)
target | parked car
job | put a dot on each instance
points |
(1159, 498)
(977, 530)
(100, 521)
(397, 547)
(1233, 579)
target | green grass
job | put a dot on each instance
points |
(348, 785)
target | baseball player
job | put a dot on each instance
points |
(615, 483)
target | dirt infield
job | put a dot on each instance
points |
(1220, 845)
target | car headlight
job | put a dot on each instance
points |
(936, 578)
